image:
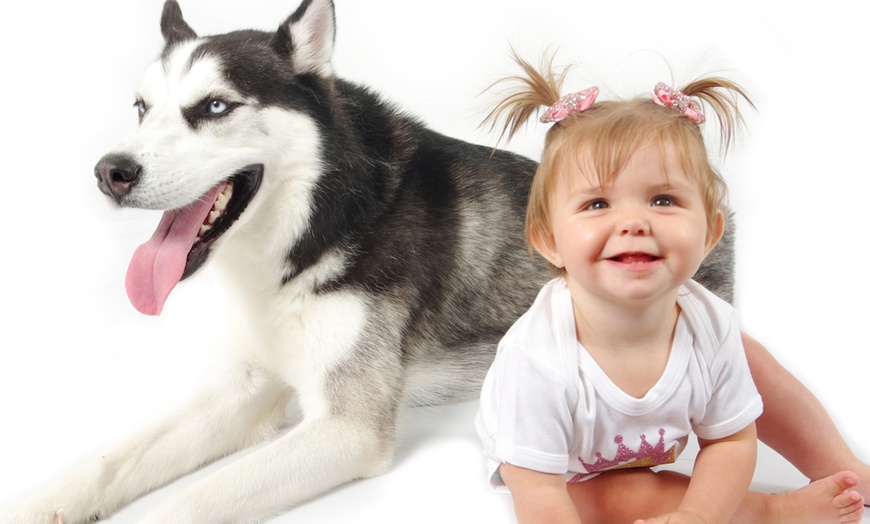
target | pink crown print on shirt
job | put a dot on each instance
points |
(646, 456)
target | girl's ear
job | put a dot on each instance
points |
(545, 244)
(714, 237)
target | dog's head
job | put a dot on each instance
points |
(206, 108)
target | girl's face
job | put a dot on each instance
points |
(633, 242)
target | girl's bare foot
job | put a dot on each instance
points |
(832, 500)
(863, 472)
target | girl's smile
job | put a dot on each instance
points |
(636, 261)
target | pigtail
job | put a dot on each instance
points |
(721, 95)
(528, 92)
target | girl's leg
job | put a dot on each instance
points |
(630, 495)
(796, 425)
(626, 495)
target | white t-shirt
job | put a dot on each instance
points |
(547, 406)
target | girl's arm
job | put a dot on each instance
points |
(720, 480)
(539, 498)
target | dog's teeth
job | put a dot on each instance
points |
(203, 229)
(221, 203)
(212, 216)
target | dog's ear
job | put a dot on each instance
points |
(308, 36)
(172, 24)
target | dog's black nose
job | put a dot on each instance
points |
(116, 175)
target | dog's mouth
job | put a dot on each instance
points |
(183, 239)
(226, 209)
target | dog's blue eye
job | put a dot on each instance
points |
(140, 106)
(217, 107)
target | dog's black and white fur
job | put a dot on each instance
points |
(373, 264)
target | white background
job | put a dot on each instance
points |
(79, 368)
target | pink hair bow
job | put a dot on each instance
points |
(569, 105)
(667, 96)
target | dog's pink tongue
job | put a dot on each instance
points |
(157, 265)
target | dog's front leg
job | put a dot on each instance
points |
(348, 432)
(313, 458)
(238, 405)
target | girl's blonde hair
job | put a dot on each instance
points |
(605, 135)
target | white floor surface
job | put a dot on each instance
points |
(437, 478)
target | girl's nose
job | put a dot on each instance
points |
(634, 224)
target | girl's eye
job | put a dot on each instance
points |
(595, 205)
(663, 201)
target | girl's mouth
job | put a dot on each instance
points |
(634, 258)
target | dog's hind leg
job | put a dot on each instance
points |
(238, 405)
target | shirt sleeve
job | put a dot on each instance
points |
(525, 418)
(734, 400)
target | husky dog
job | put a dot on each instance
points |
(374, 265)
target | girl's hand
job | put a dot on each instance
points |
(677, 517)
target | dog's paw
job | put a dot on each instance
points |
(43, 517)
(31, 513)
(23, 516)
